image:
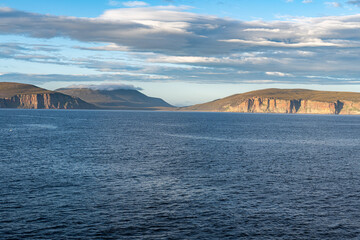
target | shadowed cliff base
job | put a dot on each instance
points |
(274, 100)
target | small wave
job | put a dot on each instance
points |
(45, 126)
(35, 116)
(202, 137)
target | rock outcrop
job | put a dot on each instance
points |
(288, 101)
(44, 101)
(14, 95)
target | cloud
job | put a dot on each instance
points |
(106, 86)
(227, 77)
(307, 1)
(279, 74)
(243, 72)
(174, 31)
(354, 2)
(168, 43)
(262, 81)
(212, 60)
(316, 42)
(108, 47)
(29, 52)
(135, 4)
(42, 78)
(333, 4)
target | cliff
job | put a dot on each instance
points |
(285, 101)
(16, 95)
(116, 99)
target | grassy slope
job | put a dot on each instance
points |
(285, 94)
(9, 89)
(116, 98)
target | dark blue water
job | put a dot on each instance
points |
(171, 175)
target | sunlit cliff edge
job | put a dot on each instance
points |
(18, 95)
(273, 100)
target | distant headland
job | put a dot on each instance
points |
(18, 95)
(274, 100)
(301, 101)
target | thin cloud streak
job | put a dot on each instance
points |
(106, 86)
(255, 78)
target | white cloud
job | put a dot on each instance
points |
(154, 19)
(264, 30)
(268, 43)
(305, 53)
(243, 72)
(168, 43)
(173, 30)
(279, 74)
(135, 4)
(160, 13)
(333, 4)
(307, 1)
(109, 47)
(211, 60)
(185, 59)
(6, 9)
(261, 81)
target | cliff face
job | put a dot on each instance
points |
(300, 101)
(273, 105)
(44, 101)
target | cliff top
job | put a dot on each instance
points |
(297, 94)
(285, 94)
(9, 89)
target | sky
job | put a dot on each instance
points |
(185, 52)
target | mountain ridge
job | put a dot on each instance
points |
(117, 98)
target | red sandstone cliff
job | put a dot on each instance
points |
(285, 101)
(14, 95)
(273, 105)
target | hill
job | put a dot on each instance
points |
(285, 101)
(9, 89)
(18, 95)
(116, 99)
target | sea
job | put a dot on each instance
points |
(79, 174)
